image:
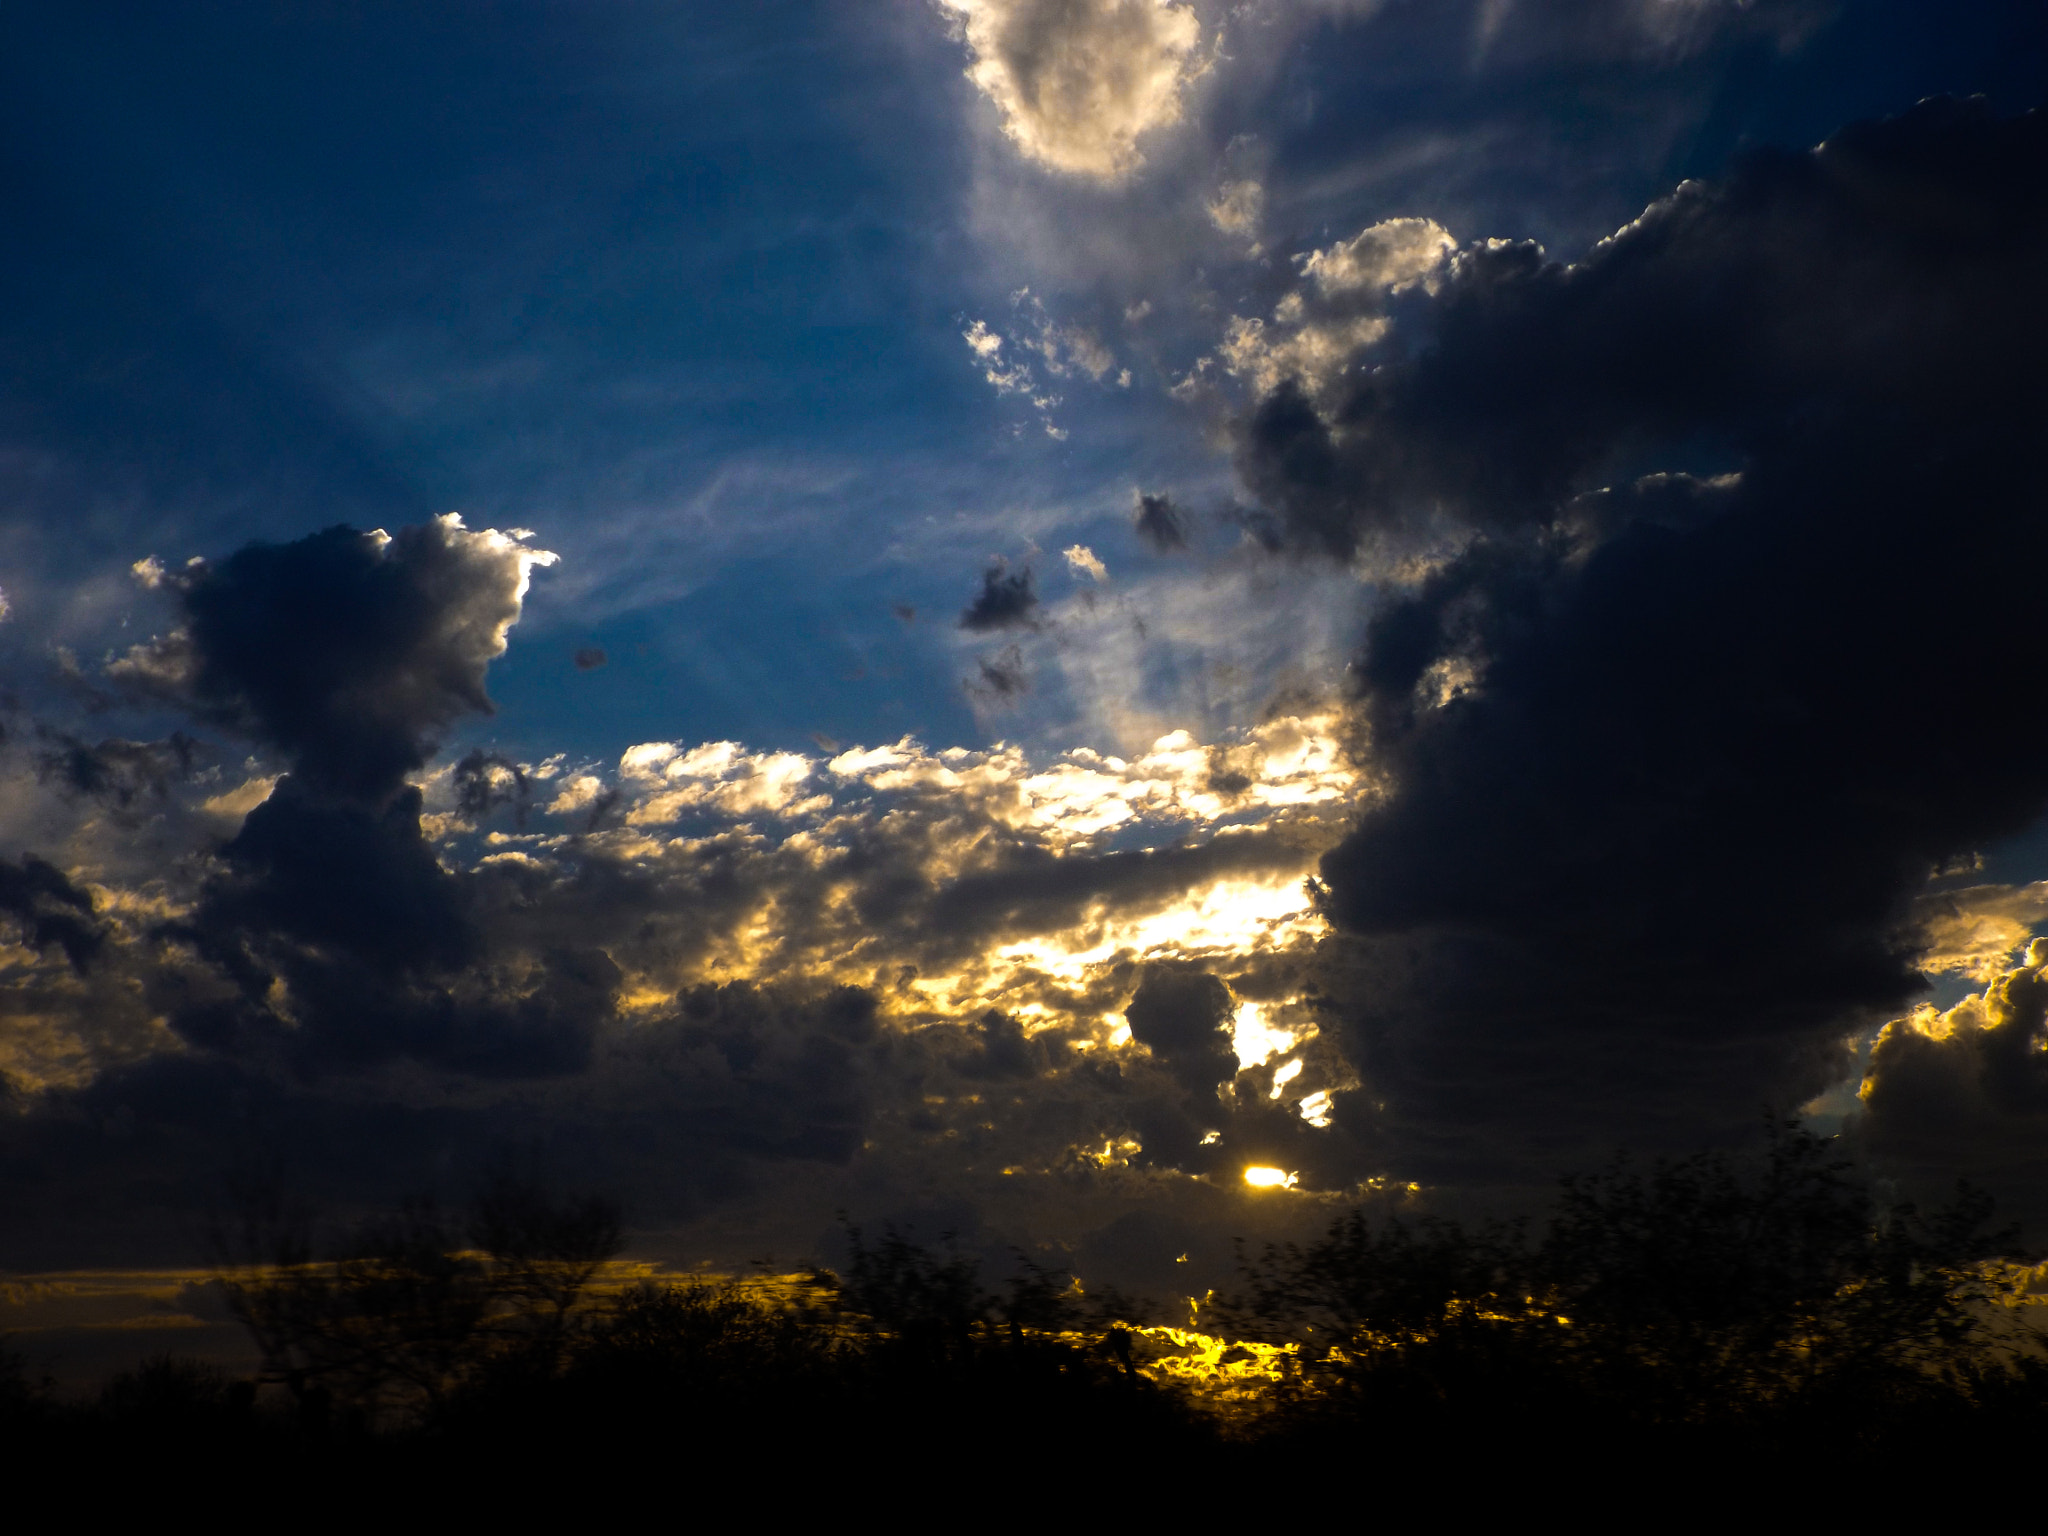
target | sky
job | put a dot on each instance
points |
(1101, 625)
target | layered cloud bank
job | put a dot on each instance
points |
(670, 967)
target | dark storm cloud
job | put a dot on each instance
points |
(485, 780)
(1160, 524)
(1182, 1015)
(329, 871)
(49, 911)
(1734, 661)
(346, 651)
(121, 775)
(1007, 600)
(1000, 679)
(666, 1116)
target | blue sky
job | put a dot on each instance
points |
(683, 289)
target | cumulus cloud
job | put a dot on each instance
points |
(689, 965)
(1237, 208)
(1182, 1014)
(1669, 757)
(346, 651)
(50, 912)
(1966, 1090)
(1007, 600)
(1000, 680)
(1160, 524)
(1386, 258)
(1083, 561)
(1080, 82)
(1338, 309)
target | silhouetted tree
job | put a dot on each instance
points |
(1717, 1285)
(400, 1314)
(1710, 1289)
(541, 1256)
(708, 1353)
(24, 1395)
(927, 1305)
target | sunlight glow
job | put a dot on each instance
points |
(1230, 1374)
(1268, 1178)
(787, 818)
(1257, 1042)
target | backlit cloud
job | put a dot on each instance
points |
(1966, 1089)
(721, 957)
(1080, 82)
(1083, 561)
(1338, 309)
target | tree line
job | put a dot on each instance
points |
(1746, 1311)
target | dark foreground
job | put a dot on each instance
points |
(1701, 1334)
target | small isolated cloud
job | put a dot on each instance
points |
(1068, 348)
(1011, 375)
(1082, 560)
(590, 657)
(1000, 679)
(1078, 82)
(1237, 208)
(1161, 524)
(1388, 257)
(1056, 350)
(1004, 377)
(1339, 307)
(1007, 600)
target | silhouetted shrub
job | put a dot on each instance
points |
(1747, 1316)
(398, 1317)
(1764, 1297)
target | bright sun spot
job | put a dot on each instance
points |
(1268, 1178)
